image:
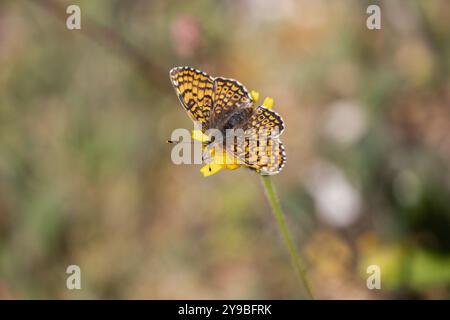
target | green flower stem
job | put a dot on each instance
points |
(276, 209)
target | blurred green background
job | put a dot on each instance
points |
(86, 176)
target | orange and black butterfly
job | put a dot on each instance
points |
(222, 104)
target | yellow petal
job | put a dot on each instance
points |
(219, 158)
(199, 136)
(210, 169)
(255, 95)
(268, 102)
(232, 166)
(224, 158)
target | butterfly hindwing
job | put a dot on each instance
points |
(194, 89)
(264, 119)
(273, 158)
(264, 154)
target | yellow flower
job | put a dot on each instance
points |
(219, 161)
(223, 160)
(216, 165)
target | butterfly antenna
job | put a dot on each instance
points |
(192, 142)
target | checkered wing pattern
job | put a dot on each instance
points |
(265, 155)
(194, 89)
(228, 96)
(265, 120)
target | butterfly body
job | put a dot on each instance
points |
(224, 104)
(235, 119)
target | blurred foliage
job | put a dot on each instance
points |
(86, 177)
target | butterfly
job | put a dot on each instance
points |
(221, 103)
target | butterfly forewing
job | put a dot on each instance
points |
(229, 96)
(194, 88)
